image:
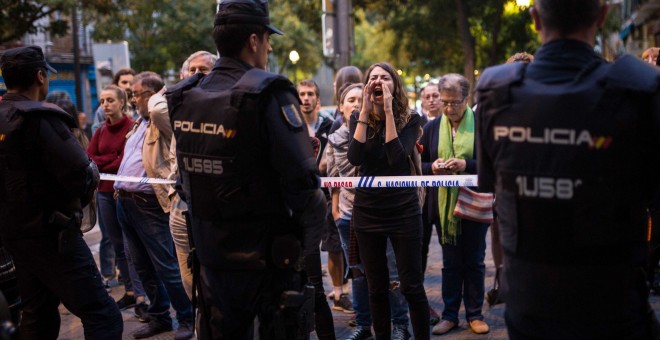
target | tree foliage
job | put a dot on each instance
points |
(20, 17)
(161, 34)
(427, 37)
(301, 23)
(417, 36)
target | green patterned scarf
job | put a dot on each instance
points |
(462, 146)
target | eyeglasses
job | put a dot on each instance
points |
(456, 103)
(139, 94)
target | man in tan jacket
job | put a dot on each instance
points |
(143, 211)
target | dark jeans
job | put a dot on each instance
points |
(108, 218)
(230, 300)
(406, 241)
(46, 277)
(107, 253)
(398, 304)
(463, 272)
(147, 231)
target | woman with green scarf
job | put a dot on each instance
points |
(449, 148)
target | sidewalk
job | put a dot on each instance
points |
(71, 327)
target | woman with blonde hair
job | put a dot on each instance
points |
(384, 134)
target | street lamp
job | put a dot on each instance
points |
(294, 57)
(523, 3)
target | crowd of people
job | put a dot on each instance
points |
(240, 232)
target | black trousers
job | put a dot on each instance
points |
(230, 300)
(654, 245)
(46, 277)
(427, 232)
(522, 326)
(325, 328)
(406, 241)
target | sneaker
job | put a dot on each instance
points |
(141, 312)
(360, 333)
(352, 321)
(400, 332)
(434, 318)
(106, 285)
(185, 331)
(344, 304)
(443, 327)
(151, 329)
(126, 301)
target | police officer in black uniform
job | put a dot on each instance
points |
(45, 180)
(248, 174)
(561, 141)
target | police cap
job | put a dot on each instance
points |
(253, 12)
(24, 56)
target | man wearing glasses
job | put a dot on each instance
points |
(143, 211)
(45, 180)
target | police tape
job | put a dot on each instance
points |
(349, 182)
(400, 181)
(132, 179)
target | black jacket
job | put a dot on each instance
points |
(43, 168)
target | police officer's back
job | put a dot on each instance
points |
(560, 141)
(45, 180)
(249, 176)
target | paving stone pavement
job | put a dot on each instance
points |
(71, 328)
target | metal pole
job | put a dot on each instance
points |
(343, 30)
(76, 57)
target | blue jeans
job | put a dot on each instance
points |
(108, 217)
(147, 231)
(107, 251)
(463, 272)
(398, 303)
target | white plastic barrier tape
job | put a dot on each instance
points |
(349, 182)
(400, 181)
(111, 177)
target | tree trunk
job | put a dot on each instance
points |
(494, 56)
(467, 41)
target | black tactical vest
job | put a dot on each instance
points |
(571, 207)
(221, 150)
(25, 194)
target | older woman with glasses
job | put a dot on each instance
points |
(449, 148)
(384, 134)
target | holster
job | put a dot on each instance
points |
(298, 305)
(69, 228)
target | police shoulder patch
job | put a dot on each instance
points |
(292, 116)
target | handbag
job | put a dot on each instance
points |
(474, 206)
(89, 216)
(415, 163)
(493, 296)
